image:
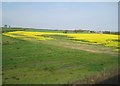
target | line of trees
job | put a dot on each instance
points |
(90, 31)
(66, 31)
(79, 31)
(7, 26)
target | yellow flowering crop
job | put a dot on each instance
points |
(104, 39)
(27, 35)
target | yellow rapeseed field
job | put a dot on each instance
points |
(104, 39)
(26, 35)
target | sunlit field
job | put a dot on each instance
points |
(104, 39)
(49, 57)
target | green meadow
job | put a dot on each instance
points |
(59, 61)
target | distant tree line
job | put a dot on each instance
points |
(90, 31)
(79, 31)
(109, 32)
(7, 28)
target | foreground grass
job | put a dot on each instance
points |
(41, 62)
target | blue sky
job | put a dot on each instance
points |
(61, 15)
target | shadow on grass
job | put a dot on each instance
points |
(113, 81)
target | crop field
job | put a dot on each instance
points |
(41, 57)
(104, 39)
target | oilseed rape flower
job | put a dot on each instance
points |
(27, 35)
(103, 39)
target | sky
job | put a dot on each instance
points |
(60, 0)
(61, 15)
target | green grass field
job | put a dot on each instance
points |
(59, 61)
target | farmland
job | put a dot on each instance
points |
(51, 57)
(105, 39)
